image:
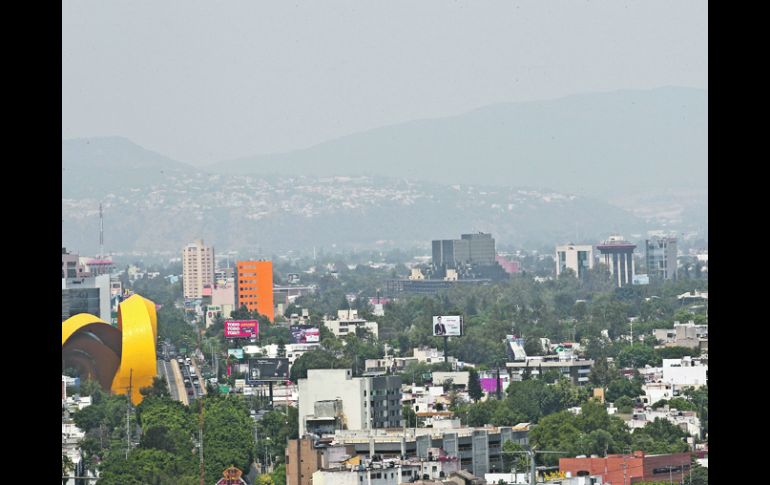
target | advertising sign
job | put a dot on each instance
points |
(212, 312)
(238, 353)
(268, 369)
(241, 328)
(305, 334)
(447, 326)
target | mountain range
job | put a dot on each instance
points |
(538, 173)
(589, 144)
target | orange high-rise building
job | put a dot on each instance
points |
(254, 286)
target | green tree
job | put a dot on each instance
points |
(66, 467)
(623, 387)
(410, 417)
(602, 373)
(533, 346)
(636, 356)
(699, 475)
(624, 404)
(660, 437)
(279, 474)
(92, 388)
(158, 388)
(474, 385)
(228, 436)
(514, 457)
(315, 359)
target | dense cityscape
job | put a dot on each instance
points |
(587, 365)
(380, 243)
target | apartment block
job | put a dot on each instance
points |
(197, 269)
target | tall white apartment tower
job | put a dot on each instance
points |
(197, 268)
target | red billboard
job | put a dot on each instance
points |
(241, 328)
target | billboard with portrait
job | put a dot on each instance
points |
(241, 328)
(447, 326)
(305, 334)
(212, 312)
(268, 369)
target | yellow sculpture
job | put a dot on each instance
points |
(116, 357)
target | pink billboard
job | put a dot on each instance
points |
(241, 328)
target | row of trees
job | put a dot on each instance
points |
(564, 309)
(168, 450)
(593, 431)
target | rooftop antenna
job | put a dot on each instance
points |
(101, 232)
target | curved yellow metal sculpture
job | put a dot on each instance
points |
(117, 357)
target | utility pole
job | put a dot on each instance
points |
(446, 340)
(532, 464)
(200, 439)
(128, 413)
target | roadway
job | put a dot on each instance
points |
(200, 389)
(170, 370)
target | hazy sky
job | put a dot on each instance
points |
(204, 81)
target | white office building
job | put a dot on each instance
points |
(578, 258)
(332, 399)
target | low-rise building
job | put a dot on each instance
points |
(682, 335)
(634, 468)
(360, 402)
(430, 355)
(478, 449)
(86, 295)
(347, 321)
(656, 391)
(687, 421)
(305, 456)
(575, 369)
(687, 371)
(71, 436)
(223, 296)
(459, 378)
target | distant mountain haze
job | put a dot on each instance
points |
(597, 144)
(94, 167)
(265, 214)
(529, 173)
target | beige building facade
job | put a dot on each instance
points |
(197, 268)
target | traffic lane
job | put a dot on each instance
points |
(171, 381)
(163, 374)
(201, 389)
(181, 391)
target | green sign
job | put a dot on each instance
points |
(237, 353)
(224, 389)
